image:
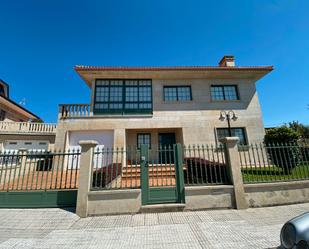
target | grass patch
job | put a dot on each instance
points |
(273, 173)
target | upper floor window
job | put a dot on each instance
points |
(236, 132)
(123, 96)
(224, 92)
(177, 93)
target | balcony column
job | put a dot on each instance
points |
(59, 112)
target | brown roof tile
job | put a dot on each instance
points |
(168, 68)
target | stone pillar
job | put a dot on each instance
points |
(233, 162)
(61, 135)
(84, 181)
(119, 138)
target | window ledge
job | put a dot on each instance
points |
(96, 116)
(225, 101)
(177, 102)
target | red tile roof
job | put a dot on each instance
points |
(169, 68)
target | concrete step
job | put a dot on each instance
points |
(161, 208)
(152, 173)
(159, 178)
(125, 177)
(129, 174)
(150, 169)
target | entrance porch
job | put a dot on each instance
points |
(163, 137)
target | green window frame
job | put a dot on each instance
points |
(143, 138)
(224, 92)
(239, 132)
(123, 96)
(177, 93)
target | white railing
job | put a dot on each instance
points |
(74, 110)
(27, 127)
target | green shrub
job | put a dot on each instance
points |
(282, 147)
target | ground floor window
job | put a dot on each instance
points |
(143, 138)
(236, 132)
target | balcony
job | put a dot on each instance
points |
(85, 110)
(27, 128)
(74, 110)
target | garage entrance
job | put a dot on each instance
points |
(31, 145)
(105, 138)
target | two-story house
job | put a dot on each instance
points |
(130, 106)
(20, 128)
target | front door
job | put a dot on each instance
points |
(166, 143)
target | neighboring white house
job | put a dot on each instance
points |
(20, 128)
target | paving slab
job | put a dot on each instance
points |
(59, 228)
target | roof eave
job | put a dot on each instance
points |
(82, 71)
(30, 114)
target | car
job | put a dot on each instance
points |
(295, 233)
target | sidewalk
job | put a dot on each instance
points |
(57, 228)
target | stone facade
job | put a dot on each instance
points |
(194, 120)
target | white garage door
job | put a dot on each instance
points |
(105, 140)
(30, 145)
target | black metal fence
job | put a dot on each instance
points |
(39, 170)
(118, 168)
(274, 162)
(205, 165)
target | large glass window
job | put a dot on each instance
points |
(224, 92)
(143, 138)
(123, 96)
(177, 93)
(236, 132)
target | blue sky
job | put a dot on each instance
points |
(41, 41)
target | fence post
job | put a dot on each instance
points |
(84, 181)
(144, 173)
(233, 162)
(23, 153)
(180, 184)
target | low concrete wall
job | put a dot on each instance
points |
(280, 193)
(114, 202)
(208, 197)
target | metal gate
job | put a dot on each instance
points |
(38, 179)
(162, 175)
